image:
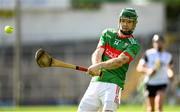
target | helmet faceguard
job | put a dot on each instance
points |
(128, 13)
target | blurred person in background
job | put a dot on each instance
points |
(157, 65)
(110, 62)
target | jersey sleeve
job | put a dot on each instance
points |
(170, 59)
(144, 58)
(131, 51)
(171, 62)
(102, 40)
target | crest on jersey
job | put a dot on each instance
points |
(116, 42)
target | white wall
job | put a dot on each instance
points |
(54, 24)
(8, 4)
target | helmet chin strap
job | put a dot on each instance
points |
(126, 32)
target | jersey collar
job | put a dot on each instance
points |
(124, 36)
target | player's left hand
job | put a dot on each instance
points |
(94, 70)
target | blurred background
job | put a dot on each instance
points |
(69, 30)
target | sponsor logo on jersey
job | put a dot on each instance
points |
(111, 52)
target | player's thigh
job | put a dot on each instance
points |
(90, 100)
(160, 97)
(111, 98)
(89, 105)
(110, 106)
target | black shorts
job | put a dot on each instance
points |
(152, 89)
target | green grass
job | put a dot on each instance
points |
(122, 108)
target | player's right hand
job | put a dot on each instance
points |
(151, 72)
(94, 70)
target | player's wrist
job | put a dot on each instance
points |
(102, 65)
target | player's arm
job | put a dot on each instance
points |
(96, 58)
(170, 71)
(113, 63)
(97, 55)
(143, 68)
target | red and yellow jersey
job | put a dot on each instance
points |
(114, 45)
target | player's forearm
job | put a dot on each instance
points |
(170, 73)
(142, 69)
(95, 59)
(114, 63)
(97, 56)
(145, 70)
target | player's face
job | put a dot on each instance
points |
(127, 24)
(158, 45)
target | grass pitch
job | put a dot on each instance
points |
(122, 108)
